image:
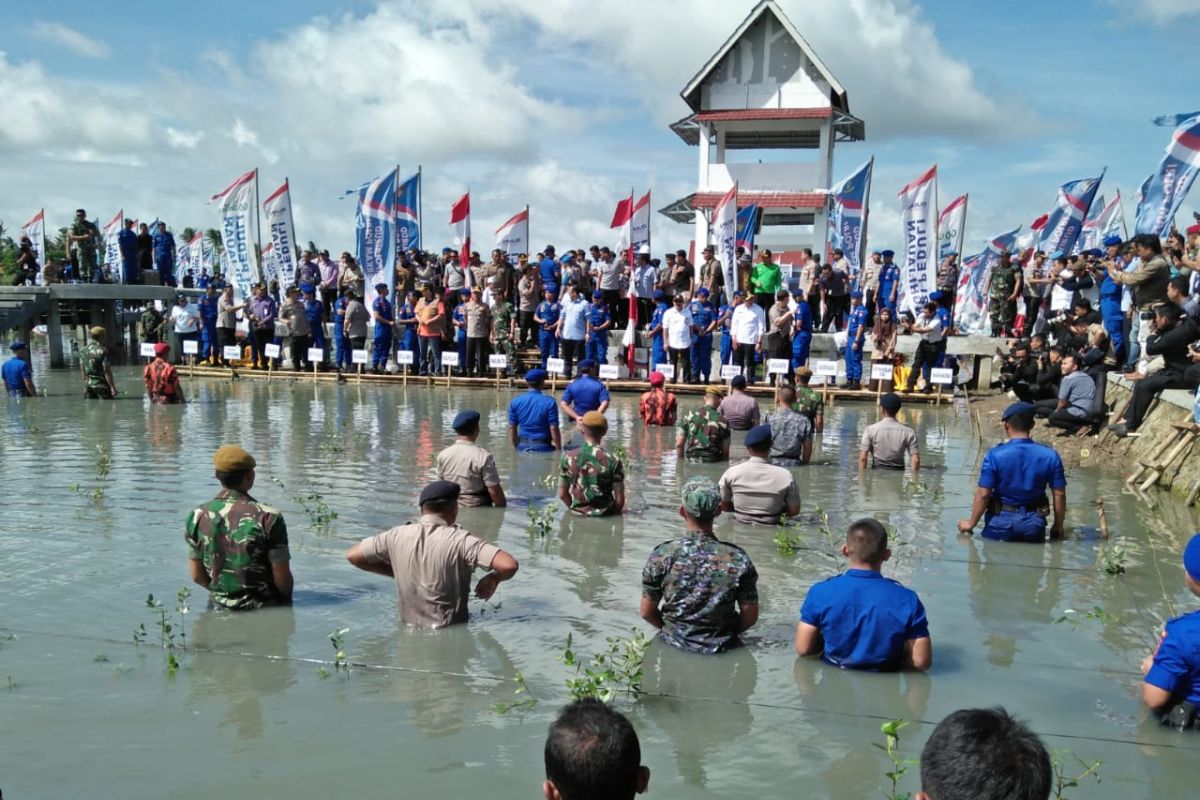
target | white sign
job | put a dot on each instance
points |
(556, 365)
(272, 350)
(190, 347)
(231, 352)
(450, 359)
(609, 372)
(404, 357)
(316, 354)
(496, 361)
(778, 366)
(826, 368)
(358, 356)
(944, 375)
(146, 349)
(668, 370)
(730, 371)
(882, 372)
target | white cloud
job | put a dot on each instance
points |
(78, 43)
(1160, 12)
(184, 140)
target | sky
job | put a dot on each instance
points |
(560, 104)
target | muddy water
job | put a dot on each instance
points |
(85, 713)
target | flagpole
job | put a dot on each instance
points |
(1121, 208)
(420, 218)
(258, 228)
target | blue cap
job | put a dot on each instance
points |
(702, 292)
(659, 294)
(888, 253)
(1191, 557)
(935, 295)
(586, 364)
(596, 295)
(465, 292)
(447, 250)
(465, 419)
(759, 436)
(876, 252)
(307, 288)
(739, 293)
(1109, 241)
(1095, 252)
(856, 295)
(535, 375)
(15, 346)
(568, 258)
(1018, 408)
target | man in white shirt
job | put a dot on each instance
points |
(645, 281)
(186, 319)
(606, 276)
(677, 325)
(746, 327)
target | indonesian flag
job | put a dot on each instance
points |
(460, 220)
(622, 218)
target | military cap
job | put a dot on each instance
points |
(161, 349)
(1110, 241)
(586, 364)
(739, 381)
(535, 375)
(890, 402)
(759, 436)
(465, 419)
(887, 253)
(96, 331)
(439, 491)
(15, 346)
(290, 289)
(232, 458)
(701, 497)
(711, 391)
(1018, 408)
(1191, 557)
(804, 372)
(594, 419)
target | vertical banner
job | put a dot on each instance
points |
(1065, 222)
(270, 267)
(918, 216)
(1164, 191)
(974, 280)
(112, 248)
(725, 228)
(1087, 233)
(278, 208)
(460, 221)
(238, 206)
(513, 236)
(747, 226)
(639, 227)
(35, 229)
(622, 219)
(195, 254)
(408, 215)
(376, 240)
(208, 254)
(951, 223)
(846, 215)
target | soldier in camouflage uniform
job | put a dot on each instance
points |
(152, 324)
(1003, 294)
(703, 435)
(592, 480)
(701, 593)
(503, 319)
(238, 547)
(83, 237)
(808, 401)
(93, 363)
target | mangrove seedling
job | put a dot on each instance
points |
(900, 764)
(621, 451)
(786, 543)
(619, 670)
(139, 635)
(525, 700)
(318, 510)
(338, 640)
(541, 520)
(103, 461)
(1112, 555)
(1064, 781)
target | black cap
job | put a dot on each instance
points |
(890, 402)
(465, 419)
(439, 491)
(738, 381)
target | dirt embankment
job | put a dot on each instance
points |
(1076, 450)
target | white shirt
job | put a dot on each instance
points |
(933, 336)
(1060, 298)
(186, 318)
(748, 323)
(678, 327)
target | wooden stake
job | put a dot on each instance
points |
(1103, 518)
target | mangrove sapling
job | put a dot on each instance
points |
(103, 461)
(1112, 554)
(318, 510)
(541, 520)
(1063, 781)
(338, 640)
(785, 543)
(525, 700)
(619, 670)
(900, 765)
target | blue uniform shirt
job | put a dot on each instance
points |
(889, 275)
(406, 312)
(218, 283)
(574, 319)
(459, 315)
(550, 273)
(383, 307)
(864, 619)
(208, 308)
(1110, 298)
(313, 310)
(585, 394)
(703, 315)
(724, 314)
(533, 413)
(1019, 471)
(858, 318)
(164, 249)
(127, 243)
(943, 315)
(14, 372)
(656, 321)
(803, 320)
(549, 313)
(1176, 666)
(598, 315)
(339, 312)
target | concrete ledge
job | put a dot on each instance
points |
(1181, 398)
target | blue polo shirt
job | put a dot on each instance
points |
(865, 619)
(533, 413)
(858, 318)
(585, 394)
(1019, 471)
(548, 313)
(574, 319)
(207, 306)
(703, 315)
(550, 273)
(803, 317)
(14, 372)
(1176, 667)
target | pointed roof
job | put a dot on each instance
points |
(691, 92)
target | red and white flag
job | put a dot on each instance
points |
(460, 221)
(35, 229)
(622, 218)
(513, 236)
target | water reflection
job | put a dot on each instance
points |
(596, 545)
(1012, 591)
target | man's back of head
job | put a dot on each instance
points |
(592, 753)
(984, 754)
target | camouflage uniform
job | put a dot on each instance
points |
(704, 433)
(502, 317)
(94, 358)
(237, 539)
(85, 251)
(151, 323)
(700, 582)
(1002, 310)
(809, 403)
(590, 474)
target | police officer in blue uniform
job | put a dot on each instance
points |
(550, 271)
(889, 282)
(1011, 497)
(946, 318)
(127, 245)
(802, 329)
(599, 322)
(856, 336)
(585, 393)
(315, 312)
(341, 342)
(704, 317)
(459, 318)
(164, 254)
(724, 316)
(658, 353)
(385, 318)
(1112, 316)
(1171, 687)
(207, 306)
(533, 417)
(546, 316)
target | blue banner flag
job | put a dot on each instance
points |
(1065, 222)
(847, 218)
(1174, 120)
(408, 215)
(376, 223)
(1165, 190)
(747, 224)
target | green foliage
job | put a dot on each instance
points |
(541, 520)
(616, 671)
(1064, 781)
(621, 451)
(525, 700)
(338, 640)
(900, 764)
(168, 633)
(785, 543)
(101, 658)
(1077, 620)
(95, 495)
(318, 510)
(920, 489)
(1112, 555)
(549, 481)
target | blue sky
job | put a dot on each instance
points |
(561, 104)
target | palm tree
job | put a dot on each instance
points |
(214, 238)
(189, 233)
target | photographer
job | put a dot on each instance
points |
(27, 265)
(1045, 384)
(1149, 280)
(1070, 330)
(1173, 336)
(1019, 368)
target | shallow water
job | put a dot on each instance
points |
(85, 713)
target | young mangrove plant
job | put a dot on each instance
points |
(541, 520)
(1063, 780)
(338, 640)
(900, 764)
(318, 510)
(617, 671)
(785, 543)
(103, 461)
(167, 631)
(525, 700)
(1112, 555)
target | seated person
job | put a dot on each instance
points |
(1076, 393)
(860, 619)
(1045, 385)
(1071, 331)
(1019, 367)
(1172, 336)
